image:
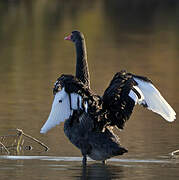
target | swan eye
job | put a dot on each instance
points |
(60, 101)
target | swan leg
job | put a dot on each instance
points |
(84, 151)
(104, 161)
(84, 160)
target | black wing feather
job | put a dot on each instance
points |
(116, 99)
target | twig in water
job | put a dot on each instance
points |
(34, 139)
(4, 148)
(174, 152)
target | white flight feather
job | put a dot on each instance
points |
(134, 96)
(61, 109)
(59, 112)
(154, 100)
(76, 101)
(86, 106)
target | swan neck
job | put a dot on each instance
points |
(82, 72)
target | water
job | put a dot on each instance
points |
(45, 167)
(139, 36)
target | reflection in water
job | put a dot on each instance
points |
(101, 171)
(16, 142)
(132, 16)
(50, 167)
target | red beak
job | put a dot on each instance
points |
(68, 37)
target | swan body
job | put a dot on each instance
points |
(89, 118)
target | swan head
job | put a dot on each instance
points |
(75, 36)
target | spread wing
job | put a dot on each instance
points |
(125, 91)
(62, 108)
(152, 99)
(117, 101)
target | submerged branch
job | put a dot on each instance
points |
(34, 139)
(173, 154)
(4, 147)
(18, 141)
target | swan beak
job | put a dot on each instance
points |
(68, 37)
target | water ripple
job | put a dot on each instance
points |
(79, 159)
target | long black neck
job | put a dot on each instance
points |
(82, 72)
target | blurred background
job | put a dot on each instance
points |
(139, 36)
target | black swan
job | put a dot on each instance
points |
(89, 118)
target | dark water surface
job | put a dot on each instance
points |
(139, 36)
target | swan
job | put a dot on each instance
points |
(88, 118)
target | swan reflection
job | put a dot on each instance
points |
(101, 171)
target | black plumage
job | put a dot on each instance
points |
(89, 118)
